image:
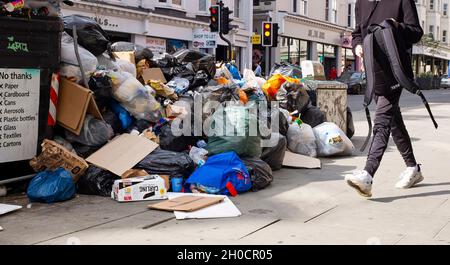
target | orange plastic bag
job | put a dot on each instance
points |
(243, 96)
(222, 81)
(274, 83)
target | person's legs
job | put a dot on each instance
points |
(402, 140)
(385, 113)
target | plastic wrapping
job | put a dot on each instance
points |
(134, 97)
(126, 66)
(274, 83)
(245, 142)
(179, 85)
(96, 181)
(94, 132)
(313, 116)
(90, 34)
(51, 186)
(301, 139)
(199, 61)
(100, 84)
(274, 155)
(163, 90)
(165, 162)
(198, 155)
(286, 69)
(332, 141)
(123, 46)
(69, 63)
(260, 172)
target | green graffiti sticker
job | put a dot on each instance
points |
(17, 46)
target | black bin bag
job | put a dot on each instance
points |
(163, 162)
(260, 172)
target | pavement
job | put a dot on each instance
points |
(300, 207)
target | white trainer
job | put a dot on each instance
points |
(410, 177)
(361, 181)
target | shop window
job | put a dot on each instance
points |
(237, 8)
(294, 52)
(202, 5)
(284, 50)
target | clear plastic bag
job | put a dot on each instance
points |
(332, 141)
(69, 63)
(135, 97)
(198, 155)
(301, 139)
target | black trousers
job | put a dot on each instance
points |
(388, 118)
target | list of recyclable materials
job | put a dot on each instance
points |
(19, 110)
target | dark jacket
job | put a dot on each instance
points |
(403, 11)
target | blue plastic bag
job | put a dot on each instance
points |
(234, 71)
(125, 118)
(223, 174)
(48, 186)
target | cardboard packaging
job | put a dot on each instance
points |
(122, 153)
(153, 74)
(54, 156)
(74, 102)
(127, 56)
(186, 203)
(147, 188)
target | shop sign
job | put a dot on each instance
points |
(256, 39)
(346, 41)
(156, 45)
(204, 39)
(316, 34)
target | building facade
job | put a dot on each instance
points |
(318, 30)
(169, 25)
(432, 54)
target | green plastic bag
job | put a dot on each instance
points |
(234, 128)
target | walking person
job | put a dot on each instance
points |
(388, 118)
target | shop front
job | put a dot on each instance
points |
(306, 39)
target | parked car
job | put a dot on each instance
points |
(445, 81)
(355, 81)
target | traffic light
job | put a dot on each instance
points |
(225, 25)
(214, 18)
(267, 38)
(275, 34)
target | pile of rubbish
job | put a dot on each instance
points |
(134, 125)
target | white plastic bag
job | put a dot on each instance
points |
(126, 66)
(332, 141)
(301, 139)
(69, 63)
(198, 155)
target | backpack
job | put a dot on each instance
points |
(223, 174)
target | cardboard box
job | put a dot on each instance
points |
(147, 188)
(54, 156)
(153, 74)
(186, 203)
(74, 102)
(127, 56)
(122, 153)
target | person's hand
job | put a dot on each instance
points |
(359, 50)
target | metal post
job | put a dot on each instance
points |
(229, 50)
(267, 62)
